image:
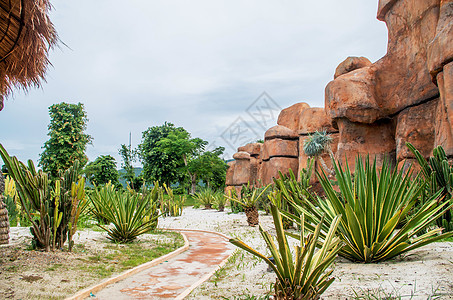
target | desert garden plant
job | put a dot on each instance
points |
(438, 172)
(128, 214)
(373, 203)
(304, 276)
(220, 200)
(317, 144)
(206, 197)
(248, 202)
(47, 204)
(170, 204)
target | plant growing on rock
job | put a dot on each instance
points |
(316, 144)
(438, 173)
(248, 202)
(372, 204)
(304, 276)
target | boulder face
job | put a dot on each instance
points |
(350, 64)
(375, 108)
(315, 119)
(289, 117)
(416, 126)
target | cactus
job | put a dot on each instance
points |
(46, 207)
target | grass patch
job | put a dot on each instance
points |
(116, 258)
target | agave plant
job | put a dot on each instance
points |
(129, 215)
(248, 202)
(220, 200)
(170, 205)
(304, 276)
(373, 203)
(206, 197)
(439, 174)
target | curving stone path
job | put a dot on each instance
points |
(177, 277)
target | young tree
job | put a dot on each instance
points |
(102, 170)
(317, 144)
(67, 142)
(128, 155)
(210, 168)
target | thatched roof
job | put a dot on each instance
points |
(26, 36)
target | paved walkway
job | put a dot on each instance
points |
(172, 278)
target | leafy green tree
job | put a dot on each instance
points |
(210, 168)
(102, 170)
(67, 142)
(128, 155)
(165, 152)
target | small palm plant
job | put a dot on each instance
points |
(373, 203)
(439, 174)
(317, 144)
(304, 276)
(248, 202)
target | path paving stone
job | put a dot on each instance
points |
(171, 278)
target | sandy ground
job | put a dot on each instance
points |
(422, 274)
(426, 273)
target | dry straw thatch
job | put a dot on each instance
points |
(26, 36)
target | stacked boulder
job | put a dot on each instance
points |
(376, 108)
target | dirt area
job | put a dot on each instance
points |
(26, 274)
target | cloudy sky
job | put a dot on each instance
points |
(201, 64)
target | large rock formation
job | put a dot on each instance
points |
(375, 108)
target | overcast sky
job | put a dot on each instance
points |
(200, 64)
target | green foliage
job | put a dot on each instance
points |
(250, 198)
(317, 143)
(102, 171)
(439, 174)
(128, 155)
(170, 204)
(304, 276)
(129, 213)
(162, 153)
(220, 201)
(47, 206)
(209, 167)
(373, 203)
(169, 155)
(206, 197)
(67, 140)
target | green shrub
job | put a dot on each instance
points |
(130, 214)
(372, 203)
(206, 197)
(438, 172)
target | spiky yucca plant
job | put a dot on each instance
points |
(373, 203)
(304, 276)
(439, 174)
(128, 214)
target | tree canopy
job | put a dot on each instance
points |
(67, 140)
(170, 155)
(102, 170)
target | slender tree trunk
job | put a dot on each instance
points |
(325, 167)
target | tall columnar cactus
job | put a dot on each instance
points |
(47, 205)
(4, 222)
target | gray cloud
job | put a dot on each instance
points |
(198, 64)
